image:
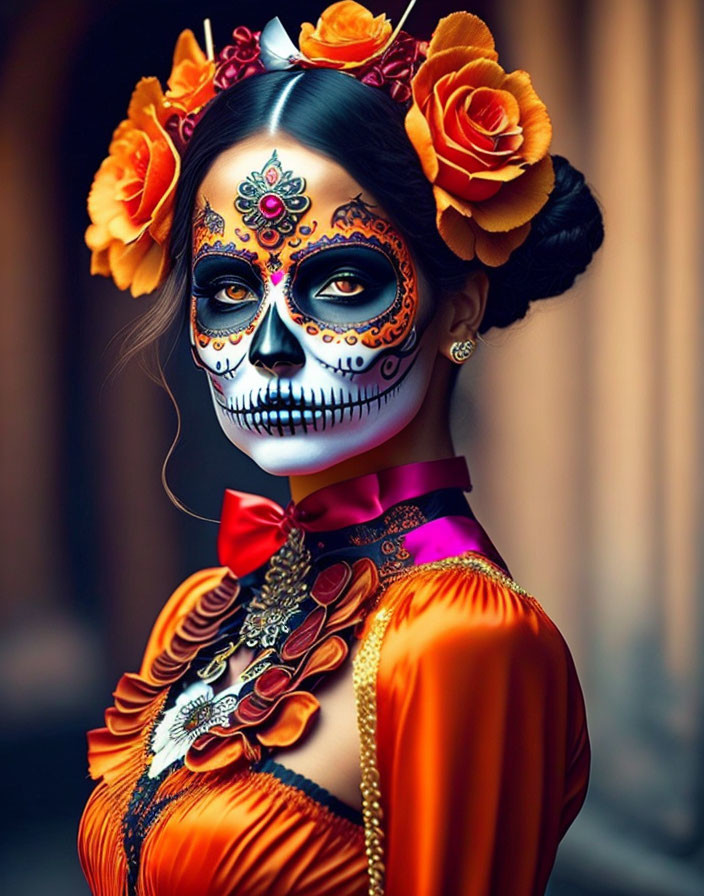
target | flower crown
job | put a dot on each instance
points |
(481, 134)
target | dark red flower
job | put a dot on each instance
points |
(180, 128)
(238, 60)
(395, 68)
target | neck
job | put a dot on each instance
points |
(426, 437)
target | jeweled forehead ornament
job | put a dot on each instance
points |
(271, 202)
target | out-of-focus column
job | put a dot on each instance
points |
(527, 384)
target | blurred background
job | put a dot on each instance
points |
(583, 424)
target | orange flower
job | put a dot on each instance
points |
(347, 35)
(482, 137)
(190, 84)
(131, 200)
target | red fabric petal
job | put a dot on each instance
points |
(328, 655)
(273, 682)
(211, 753)
(303, 637)
(331, 582)
(252, 709)
(365, 583)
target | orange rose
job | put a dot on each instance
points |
(190, 84)
(131, 200)
(347, 35)
(482, 137)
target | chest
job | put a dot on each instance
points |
(329, 753)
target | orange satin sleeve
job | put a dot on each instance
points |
(482, 744)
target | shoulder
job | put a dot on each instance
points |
(183, 603)
(465, 612)
(462, 597)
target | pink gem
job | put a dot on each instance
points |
(277, 277)
(271, 205)
(271, 176)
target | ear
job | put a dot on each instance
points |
(464, 311)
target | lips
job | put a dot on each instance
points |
(285, 411)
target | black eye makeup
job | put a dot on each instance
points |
(227, 292)
(347, 284)
(344, 284)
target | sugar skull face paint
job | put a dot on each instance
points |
(305, 312)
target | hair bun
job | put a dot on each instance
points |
(564, 236)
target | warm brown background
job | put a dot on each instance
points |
(583, 425)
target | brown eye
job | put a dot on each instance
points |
(341, 287)
(235, 292)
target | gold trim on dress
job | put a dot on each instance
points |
(365, 667)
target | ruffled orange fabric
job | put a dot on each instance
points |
(290, 842)
(188, 621)
(279, 710)
(482, 743)
(224, 834)
(482, 752)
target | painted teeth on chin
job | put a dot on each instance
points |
(300, 411)
(287, 421)
(273, 422)
(284, 417)
(310, 405)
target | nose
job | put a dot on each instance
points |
(274, 347)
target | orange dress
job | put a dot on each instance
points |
(474, 747)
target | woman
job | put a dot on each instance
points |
(361, 699)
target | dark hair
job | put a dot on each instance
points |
(362, 129)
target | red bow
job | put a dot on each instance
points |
(252, 528)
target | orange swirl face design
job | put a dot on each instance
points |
(304, 308)
(281, 241)
(356, 226)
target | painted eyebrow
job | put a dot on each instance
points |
(356, 238)
(211, 265)
(325, 244)
(228, 250)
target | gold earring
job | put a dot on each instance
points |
(462, 351)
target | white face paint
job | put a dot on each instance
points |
(304, 311)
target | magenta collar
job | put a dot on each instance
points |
(252, 528)
(364, 498)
